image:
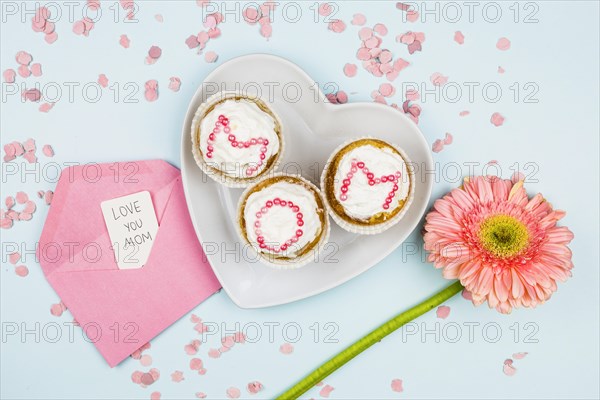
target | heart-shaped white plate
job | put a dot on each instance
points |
(313, 128)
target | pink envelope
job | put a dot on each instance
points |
(122, 309)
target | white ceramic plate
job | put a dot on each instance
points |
(313, 128)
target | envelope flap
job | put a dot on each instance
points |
(75, 222)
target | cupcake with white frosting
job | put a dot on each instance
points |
(368, 185)
(236, 139)
(284, 219)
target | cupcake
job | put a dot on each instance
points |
(367, 185)
(284, 219)
(236, 139)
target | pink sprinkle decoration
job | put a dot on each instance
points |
(102, 80)
(286, 348)
(45, 107)
(326, 391)
(146, 360)
(325, 9)
(358, 19)
(464, 113)
(503, 44)
(254, 387)
(197, 365)
(233, 393)
(200, 395)
(9, 75)
(155, 396)
(214, 353)
(508, 368)
(177, 376)
(23, 58)
(386, 89)
(48, 197)
(459, 37)
(397, 385)
(36, 69)
(22, 197)
(350, 70)
(22, 271)
(448, 138)
(58, 309)
(337, 26)
(124, 41)
(24, 71)
(519, 356)
(497, 119)
(159, 18)
(211, 57)
(33, 95)
(443, 312)
(438, 79)
(155, 52)
(192, 348)
(174, 83)
(151, 92)
(467, 295)
(500, 70)
(437, 146)
(14, 258)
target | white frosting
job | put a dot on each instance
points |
(279, 224)
(363, 200)
(246, 121)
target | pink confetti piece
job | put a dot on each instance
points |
(464, 113)
(195, 319)
(337, 26)
(211, 57)
(45, 107)
(177, 376)
(124, 41)
(192, 348)
(286, 348)
(443, 312)
(155, 396)
(154, 52)
(254, 387)
(459, 37)
(402, 6)
(83, 27)
(437, 146)
(151, 92)
(36, 69)
(9, 75)
(233, 393)
(29, 145)
(438, 79)
(228, 341)
(326, 391)
(23, 58)
(500, 70)
(467, 295)
(159, 18)
(412, 94)
(146, 360)
(22, 271)
(266, 31)
(137, 355)
(239, 337)
(397, 385)
(58, 309)
(14, 258)
(214, 353)
(381, 29)
(350, 70)
(325, 9)
(51, 37)
(33, 95)
(22, 197)
(497, 119)
(23, 71)
(520, 356)
(48, 150)
(48, 197)
(508, 368)
(30, 157)
(386, 90)
(448, 138)
(6, 223)
(197, 365)
(200, 395)
(358, 19)
(503, 44)
(102, 80)
(10, 202)
(24, 216)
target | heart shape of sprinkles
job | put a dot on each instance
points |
(262, 243)
(223, 124)
(360, 165)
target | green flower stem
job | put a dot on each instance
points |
(369, 340)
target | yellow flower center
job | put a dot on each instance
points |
(503, 236)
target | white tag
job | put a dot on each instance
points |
(132, 227)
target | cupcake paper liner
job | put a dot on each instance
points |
(292, 263)
(211, 172)
(375, 228)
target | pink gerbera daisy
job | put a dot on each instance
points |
(503, 246)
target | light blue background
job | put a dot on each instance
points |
(559, 134)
